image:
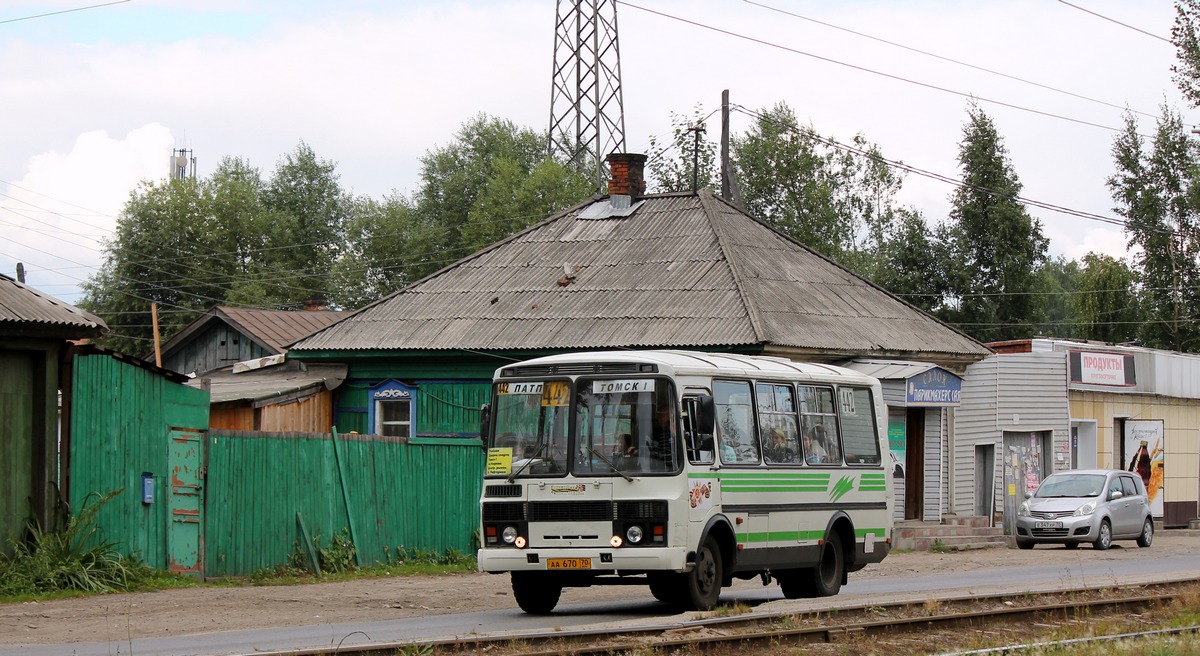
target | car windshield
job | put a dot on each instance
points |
(1071, 485)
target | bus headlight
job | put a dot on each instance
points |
(634, 534)
(520, 542)
(509, 534)
(616, 541)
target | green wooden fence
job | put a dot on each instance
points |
(418, 493)
(122, 416)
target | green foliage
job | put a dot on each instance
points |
(1156, 190)
(414, 556)
(1184, 35)
(688, 161)
(237, 238)
(995, 247)
(73, 558)
(338, 556)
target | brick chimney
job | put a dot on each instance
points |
(627, 175)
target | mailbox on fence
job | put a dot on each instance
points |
(147, 488)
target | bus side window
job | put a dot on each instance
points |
(859, 436)
(699, 447)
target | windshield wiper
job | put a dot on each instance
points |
(528, 461)
(610, 465)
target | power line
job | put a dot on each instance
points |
(953, 61)
(1111, 20)
(65, 11)
(864, 69)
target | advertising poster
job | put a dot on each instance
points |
(1145, 455)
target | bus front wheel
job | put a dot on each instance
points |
(703, 583)
(536, 592)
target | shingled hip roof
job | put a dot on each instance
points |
(680, 270)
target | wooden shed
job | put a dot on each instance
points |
(35, 330)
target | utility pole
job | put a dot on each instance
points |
(729, 186)
(587, 113)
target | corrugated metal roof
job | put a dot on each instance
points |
(684, 270)
(889, 369)
(270, 382)
(274, 330)
(25, 310)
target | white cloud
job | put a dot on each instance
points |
(58, 212)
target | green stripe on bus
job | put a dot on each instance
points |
(777, 488)
(800, 536)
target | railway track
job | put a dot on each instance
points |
(745, 632)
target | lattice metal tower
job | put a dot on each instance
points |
(587, 114)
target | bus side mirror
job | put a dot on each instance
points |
(706, 415)
(485, 422)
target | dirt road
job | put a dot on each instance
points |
(121, 617)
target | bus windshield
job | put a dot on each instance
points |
(626, 426)
(530, 435)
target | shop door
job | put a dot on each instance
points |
(1025, 465)
(914, 464)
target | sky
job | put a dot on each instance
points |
(97, 94)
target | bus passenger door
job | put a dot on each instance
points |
(704, 485)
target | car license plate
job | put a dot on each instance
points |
(568, 563)
(1047, 524)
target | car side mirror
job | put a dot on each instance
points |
(1117, 494)
(1029, 495)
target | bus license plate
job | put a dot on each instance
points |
(1047, 524)
(568, 563)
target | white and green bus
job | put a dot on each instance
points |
(682, 471)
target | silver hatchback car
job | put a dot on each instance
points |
(1086, 505)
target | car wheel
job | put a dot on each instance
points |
(1147, 535)
(1104, 539)
(1024, 544)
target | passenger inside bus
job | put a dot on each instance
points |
(814, 453)
(778, 451)
(827, 447)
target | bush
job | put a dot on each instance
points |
(73, 558)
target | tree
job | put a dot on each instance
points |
(162, 236)
(792, 183)
(1185, 34)
(1157, 193)
(1107, 304)
(688, 162)
(908, 262)
(387, 245)
(995, 246)
(309, 211)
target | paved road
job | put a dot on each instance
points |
(1058, 574)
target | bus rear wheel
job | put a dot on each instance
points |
(537, 593)
(831, 569)
(702, 585)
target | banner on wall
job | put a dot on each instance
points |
(897, 444)
(1145, 455)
